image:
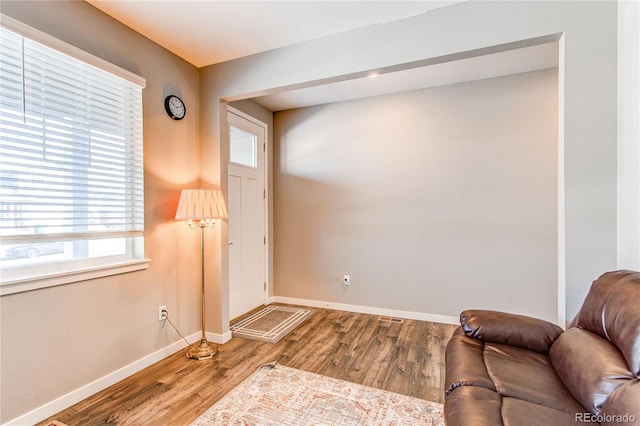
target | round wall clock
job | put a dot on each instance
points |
(175, 107)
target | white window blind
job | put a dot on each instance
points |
(71, 147)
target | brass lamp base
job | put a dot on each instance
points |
(202, 350)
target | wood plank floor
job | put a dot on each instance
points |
(406, 358)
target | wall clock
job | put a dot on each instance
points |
(175, 107)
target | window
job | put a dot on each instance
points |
(243, 147)
(71, 176)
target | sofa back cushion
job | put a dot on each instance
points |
(612, 311)
(598, 358)
(510, 329)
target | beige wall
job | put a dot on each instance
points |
(433, 201)
(56, 340)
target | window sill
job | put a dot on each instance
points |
(29, 283)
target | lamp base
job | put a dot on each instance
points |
(202, 350)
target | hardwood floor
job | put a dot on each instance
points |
(405, 357)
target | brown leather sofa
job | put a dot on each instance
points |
(505, 369)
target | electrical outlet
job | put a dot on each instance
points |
(346, 280)
(162, 315)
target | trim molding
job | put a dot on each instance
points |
(72, 275)
(420, 316)
(65, 401)
(220, 339)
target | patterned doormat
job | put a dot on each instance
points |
(279, 395)
(271, 323)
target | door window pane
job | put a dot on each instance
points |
(243, 147)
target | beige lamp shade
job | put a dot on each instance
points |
(201, 204)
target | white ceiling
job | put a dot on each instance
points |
(205, 32)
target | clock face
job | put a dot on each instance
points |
(175, 107)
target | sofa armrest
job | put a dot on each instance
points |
(510, 329)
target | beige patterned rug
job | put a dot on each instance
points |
(279, 395)
(271, 323)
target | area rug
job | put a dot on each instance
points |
(271, 323)
(279, 395)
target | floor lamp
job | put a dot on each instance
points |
(203, 206)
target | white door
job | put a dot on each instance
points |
(247, 237)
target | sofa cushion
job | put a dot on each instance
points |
(623, 405)
(511, 329)
(590, 366)
(527, 375)
(473, 406)
(611, 311)
(516, 412)
(465, 364)
(477, 406)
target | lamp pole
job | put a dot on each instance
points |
(204, 349)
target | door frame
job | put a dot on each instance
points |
(267, 183)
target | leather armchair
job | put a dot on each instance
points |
(507, 369)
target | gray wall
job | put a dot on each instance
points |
(59, 339)
(433, 201)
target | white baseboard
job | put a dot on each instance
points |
(421, 316)
(218, 338)
(65, 401)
